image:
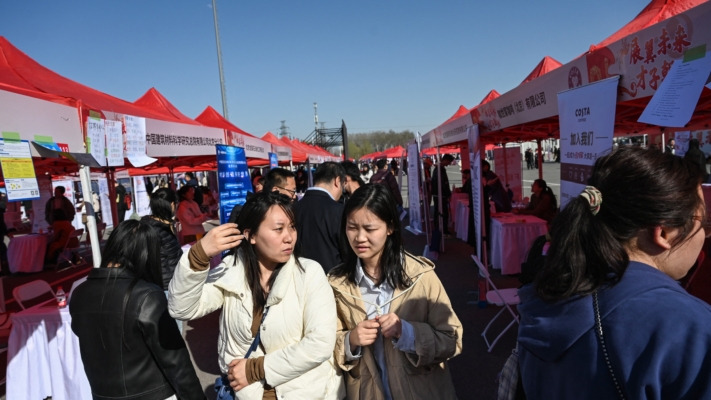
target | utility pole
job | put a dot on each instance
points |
(219, 61)
(283, 129)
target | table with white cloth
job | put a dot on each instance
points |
(511, 237)
(456, 197)
(25, 253)
(461, 219)
(43, 356)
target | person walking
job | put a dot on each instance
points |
(59, 202)
(605, 317)
(384, 177)
(446, 192)
(190, 216)
(529, 159)
(278, 319)
(319, 215)
(396, 326)
(129, 345)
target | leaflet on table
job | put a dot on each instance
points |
(673, 104)
(106, 215)
(273, 161)
(475, 166)
(136, 141)
(18, 170)
(114, 143)
(587, 122)
(96, 139)
(413, 188)
(143, 206)
(232, 179)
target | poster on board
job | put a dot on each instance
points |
(475, 166)
(273, 161)
(232, 179)
(141, 197)
(511, 171)
(96, 139)
(135, 128)
(18, 170)
(587, 123)
(413, 188)
(114, 143)
(106, 215)
(681, 143)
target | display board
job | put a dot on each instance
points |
(681, 143)
(96, 139)
(141, 197)
(413, 188)
(475, 166)
(106, 214)
(587, 122)
(510, 172)
(273, 161)
(114, 143)
(17, 169)
(232, 179)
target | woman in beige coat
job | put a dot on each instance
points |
(396, 326)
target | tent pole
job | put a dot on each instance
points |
(85, 177)
(664, 144)
(111, 178)
(540, 160)
(439, 200)
(506, 169)
(171, 178)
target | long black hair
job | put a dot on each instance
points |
(250, 218)
(546, 190)
(377, 199)
(161, 204)
(135, 246)
(641, 189)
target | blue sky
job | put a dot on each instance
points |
(376, 64)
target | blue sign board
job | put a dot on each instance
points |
(232, 179)
(273, 161)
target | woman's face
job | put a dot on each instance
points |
(367, 234)
(535, 189)
(190, 194)
(275, 239)
(680, 259)
(258, 188)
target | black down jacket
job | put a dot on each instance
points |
(170, 250)
(138, 357)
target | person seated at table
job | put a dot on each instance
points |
(62, 228)
(466, 183)
(543, 203)
(129, 344)
(496, 188)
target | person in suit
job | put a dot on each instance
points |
(318, 216)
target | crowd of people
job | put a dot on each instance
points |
(319, 299)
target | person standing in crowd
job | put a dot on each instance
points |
(496, 191)
(149, 186)
(281, 180)
(396, 326)
(319, 216)
(394, 168)
(258, 184)
(670, 147)
(404, 165)
(130, 347)
(427, 164)
(609, 287)
(59, 202)
(353, 178)
(446, 192)
(163, 205)
(121, 207)
(529, 159)
(190, 216)
(302, 181)
(697, 156)
(543, 203)
(272, 301)
(384, 177)
(193, 183)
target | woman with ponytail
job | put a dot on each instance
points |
(605, 317)
(543, 203)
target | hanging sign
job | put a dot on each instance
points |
(141, 196)
(232, 179)
(256, 148)
(114, 142)
(283, 152)
(587, 122)
(512, 174)
(136, 141)
(413, 188)
(273, 161)
(18, 170)
(681, 143)
(95, 139)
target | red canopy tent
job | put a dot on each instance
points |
(210, 117)
(393, 152)
(369, 156)
(154, 101)
(546, 65)
(297, 156)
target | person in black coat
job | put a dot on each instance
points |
(129, 344)
(695, 155)
(163, 204)
(318, 216)
(120, 201)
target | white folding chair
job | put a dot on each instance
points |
(71, 249)
(30, 291)
(498, 297)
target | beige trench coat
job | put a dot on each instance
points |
(438, 337)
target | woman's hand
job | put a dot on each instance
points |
(390, 325)
(364, 333)
(237, 373)
(221, 238)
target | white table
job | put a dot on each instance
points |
(456, 197)
(461, 219)
(43, 357)
(511, 238)
(25, 253)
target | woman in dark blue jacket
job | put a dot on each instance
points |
(605, 318)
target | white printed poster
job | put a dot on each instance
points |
(681, 143)
(475, 168)
(18, 170)
(587, 122)
(141, 197)
(106, 215)
(114, 143)
(96, 139)
(510, 172)
(136, 141)
(413, 188)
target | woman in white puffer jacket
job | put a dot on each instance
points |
(262, 275)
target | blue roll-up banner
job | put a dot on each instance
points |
(273, 161)
(232, 179)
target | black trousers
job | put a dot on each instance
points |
(445, 214)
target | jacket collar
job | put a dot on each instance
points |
(318, 191)
(103, 273)
(233, 280)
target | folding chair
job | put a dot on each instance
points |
(32, 290)
(498, 297)
(73, 250)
